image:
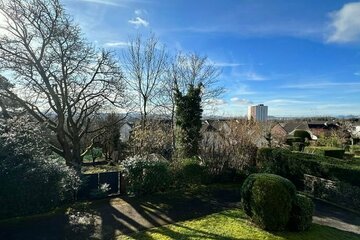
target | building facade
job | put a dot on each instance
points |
(258, 113)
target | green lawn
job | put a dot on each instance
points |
(234, 225)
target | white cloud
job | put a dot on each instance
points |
(139, 12)
(239, 101)
(119, 44)
(284, 102)
(251, 76)
(225, 64)
(216, 102)
(320, 85)
(346, 24)
(105, 2)
(138, 22)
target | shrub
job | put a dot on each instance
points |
(146, 175)
(267, 199)
(230, 147)
(349, 156)
(293, 165)
(355, 149)
(326, 151)
(334, 191)
(302, 134)
(188, 172)
(291, 140)
(31, 181)
(301, 213)
(100, 192)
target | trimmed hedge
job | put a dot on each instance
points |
(326, 151)
(355, 149)
(267, 199)
(293, 165)
(302, 134)
(301, 213)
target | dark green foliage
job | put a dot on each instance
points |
(355, 149)
(301, 213)
(337, 192)
(291, 140)
(31, 182)
(267, 199)
(293, 165)
(349, 156)
(147, 176)
(296, 143)
(188, 121)
(302, 134)
(326, 151)
(189, 171)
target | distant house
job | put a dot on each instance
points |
(323, 127)
(284, 130)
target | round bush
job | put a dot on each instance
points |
(267, 199)
(301, 213)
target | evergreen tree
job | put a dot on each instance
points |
(188, 120)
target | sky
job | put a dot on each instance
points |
(299, 57)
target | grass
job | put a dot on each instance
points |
(233, 225)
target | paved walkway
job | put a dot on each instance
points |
(109, 218)
(329, 215)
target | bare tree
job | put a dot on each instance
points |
(4, 102)
(60, 78)
(145, 64)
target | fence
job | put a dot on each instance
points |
(93, 182)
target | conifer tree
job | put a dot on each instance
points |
(188, 120)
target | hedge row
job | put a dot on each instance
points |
(326, 151)
(355, 149)
(334, 191)
(293, 165)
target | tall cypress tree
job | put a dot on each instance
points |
(188, 121)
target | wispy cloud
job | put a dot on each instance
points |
(119, 44)
(346, 24)
(240, 101)
(105, 2)
(139, 12)
(216, 102)
(249, 75)
(138, 22)
(280, 102)
(318, 85)
(225, 64)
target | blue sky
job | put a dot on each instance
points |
(301, 58)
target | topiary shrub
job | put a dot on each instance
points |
(301, 213)
(146, 176)
(267, 199)
(302, 134)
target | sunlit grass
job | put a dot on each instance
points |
(231, 225)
